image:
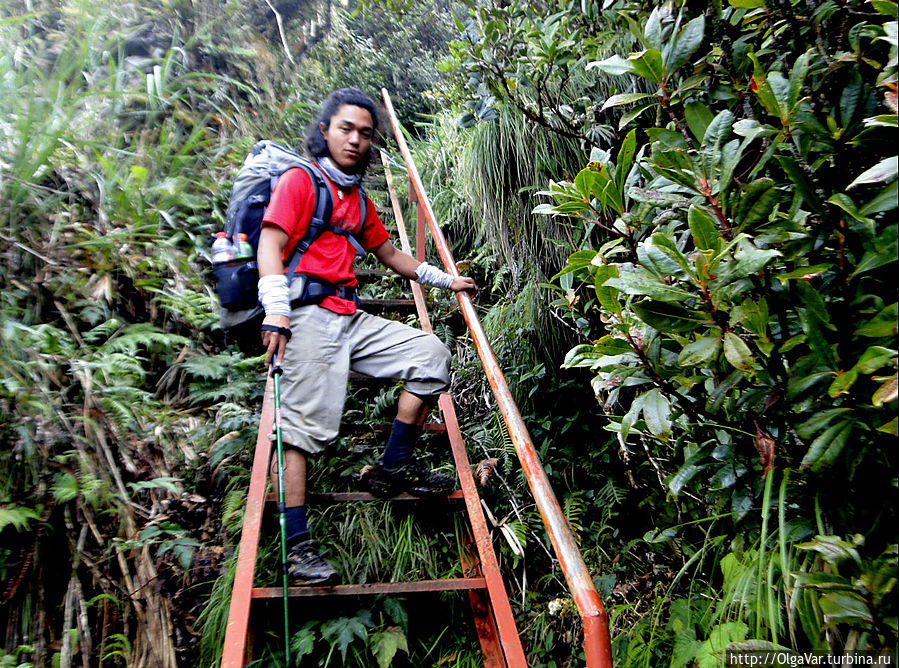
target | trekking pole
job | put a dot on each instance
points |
(282, 510)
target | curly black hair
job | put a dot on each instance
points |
(315, 142)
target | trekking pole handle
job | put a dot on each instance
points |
(276, 369)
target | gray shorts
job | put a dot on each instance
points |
(326, 346)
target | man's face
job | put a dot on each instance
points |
(349, 136)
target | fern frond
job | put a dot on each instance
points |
(17, 516)
(574, 509)
(502, 442)
(143, 335)
(212, 392)
(102, 331)
(232, 511)
(213, 367)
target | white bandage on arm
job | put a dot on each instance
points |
(428, 274)
(274, 294)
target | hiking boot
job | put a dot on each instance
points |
(306, 566)
(412, 477)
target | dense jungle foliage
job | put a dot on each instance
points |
(683, 220)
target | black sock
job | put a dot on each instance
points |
(399, 445)
(295, 521)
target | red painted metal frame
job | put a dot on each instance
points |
(597, 645)
(234, 654)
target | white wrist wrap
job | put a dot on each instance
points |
(428, 274)
(274, 295)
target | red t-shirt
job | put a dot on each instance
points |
(330, 257)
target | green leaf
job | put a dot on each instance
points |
(756, 203)
(625, 159)
(882, 324)
(752, 315)
(657, 413)
(386, 643)
(720, 638)
(884, 252)
(885, 170)
(780, 90)
(846, 204)
(641, 282)
(608, 296)
(804, 273)
(750, 259)
(819, 421)
(822, 581)
(684, 475)
(886, 200)
(746, 4)
(741, 503)
(737, 353)
(704, 228)
(614, 65)
(632, 114)
(341, 631)
(875, 358)
(625, 98)
(685, 44)
(699, 351)
(609, 345)
(845, 608)
(833, 549)
(629, 418)
(698, 118)
(303, 641)
(797, 79)
(661, 256)
(656, 536)
(648, 64)
(842, 383)
(662, 242)
(723, 390)
(891, 427)
(826, 448)
(670, 318)
(886, 7)
(652, 30)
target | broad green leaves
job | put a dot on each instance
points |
(741, 304)
(668, 49)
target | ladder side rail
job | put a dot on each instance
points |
(235, 646)
(504, 620)
(597, 645)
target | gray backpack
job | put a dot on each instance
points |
(236, 280)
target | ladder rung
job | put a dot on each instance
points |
(449, 584)
(343, 497)
(380, 427)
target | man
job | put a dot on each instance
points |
(328, 337)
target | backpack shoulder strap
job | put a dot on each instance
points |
(321, 215)
(350, 237)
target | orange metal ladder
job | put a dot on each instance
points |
(494, 623)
